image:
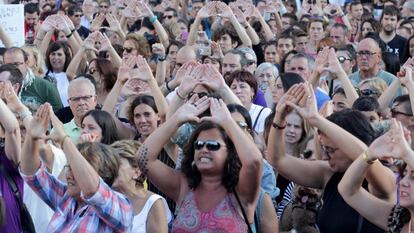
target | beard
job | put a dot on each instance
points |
(388, 30)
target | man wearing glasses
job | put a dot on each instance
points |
(368, 61)
(75, 14)
(82, 98)
(402, 111)
(33, 91)
(169, 16)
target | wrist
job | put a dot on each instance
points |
(366, 155)
(153, 18)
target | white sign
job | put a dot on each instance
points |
(12, 21)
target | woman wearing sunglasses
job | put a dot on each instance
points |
(343, 135)
(220, 174)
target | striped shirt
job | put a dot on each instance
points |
(105, 211)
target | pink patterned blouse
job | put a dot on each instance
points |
(222, 218)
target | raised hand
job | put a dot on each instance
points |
(309, 109)
(144, 9)
(58, 132)
(184, 71)
(321, 61)
(97, 22)
(48, 24)
(40, 122)
(220, 114)
(158, 49)
(69, 22)
(406, 76)
(333, 64)
(224, 10)
(131, 11)
(393, 144)
(104, 41)
(212, 78)
(124, 72)
(90, 41)
(62, 25)
(206, 11)
(12, 100)
(239, 16)
(216, 50)
(191, 109)
(292, 96)
(113, 22)
(189, 74)
(143, 71)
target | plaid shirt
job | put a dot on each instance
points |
(105, 211)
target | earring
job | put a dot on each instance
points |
(193, 165)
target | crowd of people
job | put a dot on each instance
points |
(178, 116)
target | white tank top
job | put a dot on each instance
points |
(139, 223)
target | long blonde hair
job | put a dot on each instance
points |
(39, 68)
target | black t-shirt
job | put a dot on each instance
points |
(398, 46)
(336, 216)
(83, 32)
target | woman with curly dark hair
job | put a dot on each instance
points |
(220, 174)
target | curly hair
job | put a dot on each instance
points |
(232, 166)
(141, 44)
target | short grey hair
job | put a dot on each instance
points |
(79, 81)
(311, 60)
(267, 65)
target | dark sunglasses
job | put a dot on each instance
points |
(128, 50)
(342, 59)
(167, 17)
(200, 95)
(211, 145)
(369, 92)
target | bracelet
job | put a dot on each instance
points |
(70, 34)
(166, 85)
(178, 94)
(63, 141)
(367, 160)
(153, 18)
(161, 59)
(278, 126)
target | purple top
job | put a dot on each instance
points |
(12, 209)
(259, 99)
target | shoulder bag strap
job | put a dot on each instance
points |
(257, 118)
(243, 212)
(25, 218)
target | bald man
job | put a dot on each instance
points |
(184, 55)
(368, 61)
